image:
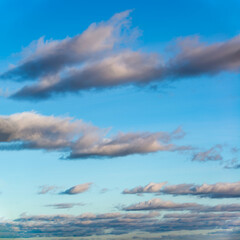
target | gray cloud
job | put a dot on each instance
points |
(235, 166)
(149, 188)
(212, 154)
(80, 188)
(46, 189)
(115, 224)
(78, 139)
(159, 204)
(49, 57)
(233, 163)
(120, 69)
(64, 205)
(195, 58)
(217, 190)
(92, 60)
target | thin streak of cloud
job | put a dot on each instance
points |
(64, 205)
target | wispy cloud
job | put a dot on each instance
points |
(78, 139)
(45, 58)
(64, 205)
(47, 188)
(212, 154)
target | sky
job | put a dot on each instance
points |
(119, 120)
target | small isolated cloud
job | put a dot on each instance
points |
(77, 139)
(80, 188)
(64, 205)
(47, 188)
(217, 190)
(212, 154)
(104, 190)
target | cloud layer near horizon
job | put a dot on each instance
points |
(96, 59)
(218, 190)
(77, 139)
(116, 223)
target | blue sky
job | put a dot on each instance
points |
(93, 115)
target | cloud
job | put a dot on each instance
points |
(195, 58)
(112, 224)
(80, 188)
(124, 68)
(77, 139)
(235, 166)
(159, 204)
(99, 58)
(46, 58)
(104, 190)
(217, 190)
(213, 154)
(233, 163)
(150, 188)
(46, 189)
(64, 205)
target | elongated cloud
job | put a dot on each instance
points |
(218, 190)
(115, 223)
(96, 59)
(64, 205)
(195, 58)
(49, 57)
(121, 69)
(150, 188)
(159, 204)
(77, 139)
(80, 188)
